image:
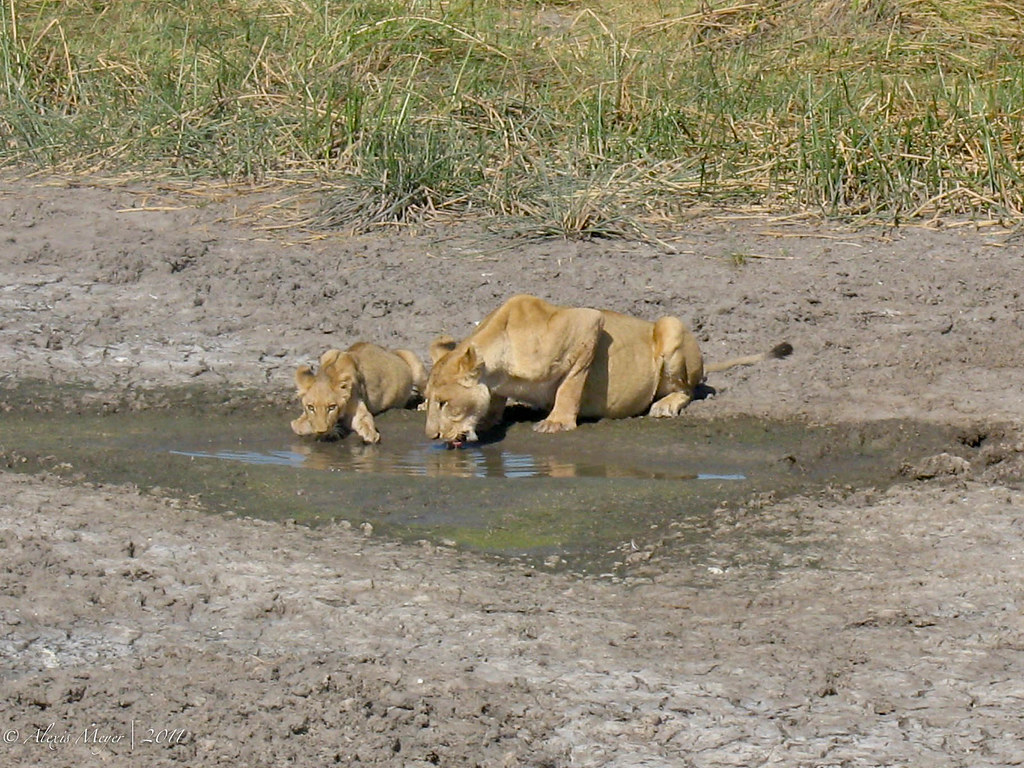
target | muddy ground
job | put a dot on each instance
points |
(876, 626)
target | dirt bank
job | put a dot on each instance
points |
(873, 627)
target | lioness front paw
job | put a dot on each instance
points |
(549, 426)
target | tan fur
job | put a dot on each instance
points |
(352, 386)
(570, 361)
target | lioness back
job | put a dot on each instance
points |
(623, 377)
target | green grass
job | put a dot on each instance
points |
(572, 119)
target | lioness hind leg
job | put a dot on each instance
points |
(670, 405)
(680, 364)
(585, 326)
(419, 373)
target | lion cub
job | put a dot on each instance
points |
(352, 386)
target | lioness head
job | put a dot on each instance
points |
(456, 399)
(325, 395)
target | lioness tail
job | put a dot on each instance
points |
(785, 349)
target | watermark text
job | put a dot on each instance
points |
(128, 736)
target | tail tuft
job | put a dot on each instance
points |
(785, 349)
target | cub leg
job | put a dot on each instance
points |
(301, 425)
(580, 354)
(361, 422)
(681, 366)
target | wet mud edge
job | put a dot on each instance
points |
(596, 500)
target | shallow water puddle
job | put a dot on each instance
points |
(583, 496)
(433, 461)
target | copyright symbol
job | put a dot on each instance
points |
(10, 736)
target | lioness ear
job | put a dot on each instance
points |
(304, 378)
(469, 363)
(441, 346)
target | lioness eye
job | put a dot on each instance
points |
(331, 407)
(310, 407)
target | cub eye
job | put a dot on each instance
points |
(332, 407)
(311, 408)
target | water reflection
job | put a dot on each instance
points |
(436, 461)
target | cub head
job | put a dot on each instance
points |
(325, 394)
(456, 398)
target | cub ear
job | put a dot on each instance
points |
(340, 370)
(341, 377)
(330, 357)
(441, 346)
(304, 378)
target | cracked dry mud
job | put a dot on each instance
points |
(873, 627)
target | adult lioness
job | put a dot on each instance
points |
(352, 386)
(573, 361)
